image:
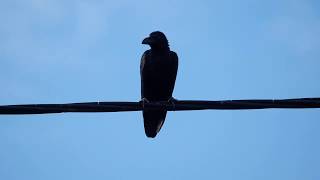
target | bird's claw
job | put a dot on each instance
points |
(144, 101)
(172, 101)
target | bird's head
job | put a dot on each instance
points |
(157, 41)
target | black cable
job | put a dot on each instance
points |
(182, 105)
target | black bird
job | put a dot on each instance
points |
(158, 70)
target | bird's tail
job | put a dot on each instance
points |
(153, 121)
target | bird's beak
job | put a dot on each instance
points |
(147, 40)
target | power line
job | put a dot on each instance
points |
(181, 105)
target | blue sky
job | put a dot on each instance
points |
(54, 51)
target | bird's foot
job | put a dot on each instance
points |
(144, 101)
(172, 101)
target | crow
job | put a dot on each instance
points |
(158, 71)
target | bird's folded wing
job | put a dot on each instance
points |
(181, 105)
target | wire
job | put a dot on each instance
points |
(181, 105)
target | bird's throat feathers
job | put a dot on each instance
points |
(160, 48)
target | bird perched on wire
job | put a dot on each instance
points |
(158, 70)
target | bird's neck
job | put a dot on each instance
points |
(160, 49)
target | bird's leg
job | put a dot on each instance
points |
(144, 101)
(172, 101)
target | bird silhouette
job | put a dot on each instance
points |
(158, 70)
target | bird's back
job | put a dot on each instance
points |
(158, 75)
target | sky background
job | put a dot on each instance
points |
(55, 51)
